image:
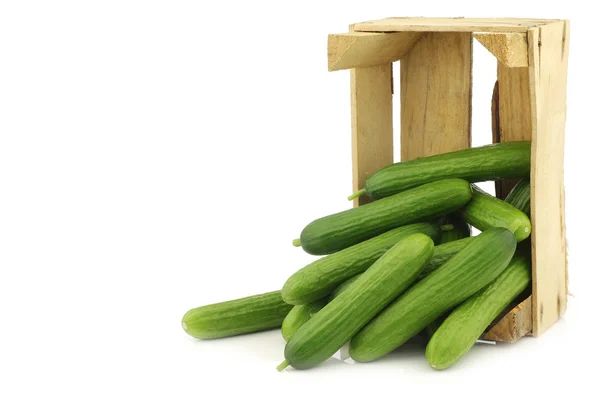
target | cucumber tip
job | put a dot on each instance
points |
(283, 365)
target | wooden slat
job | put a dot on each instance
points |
(548, 51)
(435, 95)
(514, 325)
(449, 24)
(514, 109)
(496, 130)
(372, 132)
(363, 49)
(509, 48)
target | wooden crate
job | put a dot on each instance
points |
(529, 103)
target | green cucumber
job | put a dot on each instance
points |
(298, 317)
(485, 211)
(461, 329)
(236, 317)
(433, 327)
(520, 196)
(443, 252)
(343, 287)
(468, 271)
(328, 330)
(338, 231)
(477, 164)
(460, 229)
(300, 314)
(319, 278)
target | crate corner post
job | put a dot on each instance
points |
(548, 59)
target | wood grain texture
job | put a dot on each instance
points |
(364, 49)
(514, 112)
(514, 325)
(510, 48)
(372, 131)
(496, 131)
(449, 24)
(548, 52)
(435, 95)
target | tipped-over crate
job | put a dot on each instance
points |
(528, 103)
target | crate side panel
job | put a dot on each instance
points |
(514, 109)
(548, 52)
(372, 129)
(435, 95)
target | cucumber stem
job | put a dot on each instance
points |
(283, 365)
(357, 194)
(446, 227)
(296, 242)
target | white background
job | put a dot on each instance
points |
(156, 156)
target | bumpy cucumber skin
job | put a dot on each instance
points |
(520, 196)
(236, 317)
(298, 317)
(461, 329)
(328, 330)
(460, 229)
(319, 278)
(477, 164)
(468, 271)
(485, 211)
(443, 252)
(338, 231)
(343, 287)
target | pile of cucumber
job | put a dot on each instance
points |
(400, 266)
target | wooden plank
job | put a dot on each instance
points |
(496, 131)
(372, 131)
(514, 325)
(510, 48)
(364, 49)
(548, 52)
(435, 95)
(398, 24)
(514, 112)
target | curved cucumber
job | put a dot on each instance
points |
(477, 164)
(459, 331)
(343, 287)
(468, 271)
(443, 252)
(460, 231)
(328, 330)
(300, 314)
(520, 196)
(298, 317)
(321, 277)
(338, 231)
(235, 317)
(485, 211)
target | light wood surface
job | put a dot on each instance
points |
(509, 48)
(449, 24)
(364, 49)
(372, 132)
(514, 108)
(548, 52)
(514, 325)
(435, 95)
